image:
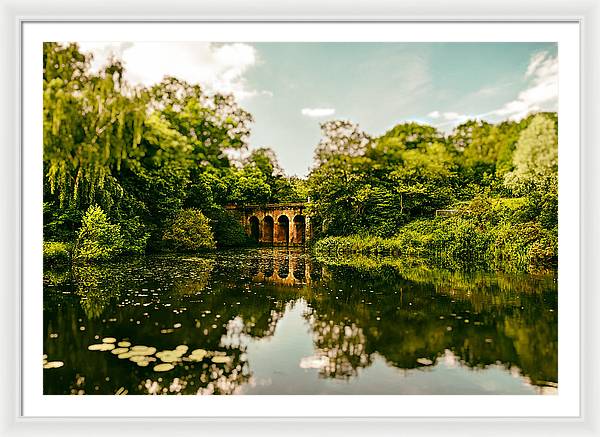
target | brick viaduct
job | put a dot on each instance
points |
(278, 224)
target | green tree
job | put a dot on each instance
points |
(97, 239)
(535, 158)
(535, 173)
(190, 232)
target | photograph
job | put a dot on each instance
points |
(300, 218)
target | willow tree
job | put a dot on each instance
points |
(92, 122)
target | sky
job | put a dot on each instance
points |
(290, 88)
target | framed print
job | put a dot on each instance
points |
(307, 219)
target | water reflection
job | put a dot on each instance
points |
(280, 321)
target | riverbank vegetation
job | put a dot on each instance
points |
(494, 188)
(130, 170)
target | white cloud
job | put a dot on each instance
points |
(535, 61)
(542, 91)
(454, 116)
(217, 67)
(318, 112)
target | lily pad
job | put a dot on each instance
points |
(220, 359)
(143, 350)
(123, 344)
(197, 355)
(125, 355)
(109, 340)
(119, 350)
(164, 367)
(101, 347)
(168, 356)
(53, 364)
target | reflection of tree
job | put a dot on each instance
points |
(195, 279)
(406, 314)
(96, 286)
(340, 347)
(482, 318)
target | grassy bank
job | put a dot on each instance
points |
(459, 242)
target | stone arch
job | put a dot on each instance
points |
(299, 229)
(282, 234)
(254, 228)
(268, 228)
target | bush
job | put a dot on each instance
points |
(56, 252)
(97, 239)
(135, 235)
(227, 229)
(189, 232)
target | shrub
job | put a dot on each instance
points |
(135, 235)
(97, 239)
(57, 252)
(228, 231)
(189, 232)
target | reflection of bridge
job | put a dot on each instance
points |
(283, 268)
(281, 224)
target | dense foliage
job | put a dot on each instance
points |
(142, 155)
(500, 183)
(128, 169)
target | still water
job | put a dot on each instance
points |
(279, 321)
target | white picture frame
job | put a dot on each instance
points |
(15, 14)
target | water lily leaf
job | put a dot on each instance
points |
(101, 347)
(164, 367)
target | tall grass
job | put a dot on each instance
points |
(459, 242)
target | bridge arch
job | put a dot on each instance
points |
(299, 229)
(282, 235)
(254, 228)
(268, 229)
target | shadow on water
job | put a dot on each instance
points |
(281, 321)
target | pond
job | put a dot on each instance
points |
(281, 321)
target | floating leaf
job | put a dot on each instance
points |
(197, 355)
(163, 367)
(101, 347)
(143, 350)
(125, 355)
(119, 350)
(123, 344)
(53, 365)
(220, 359)
(168, 356)
(109, 340)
